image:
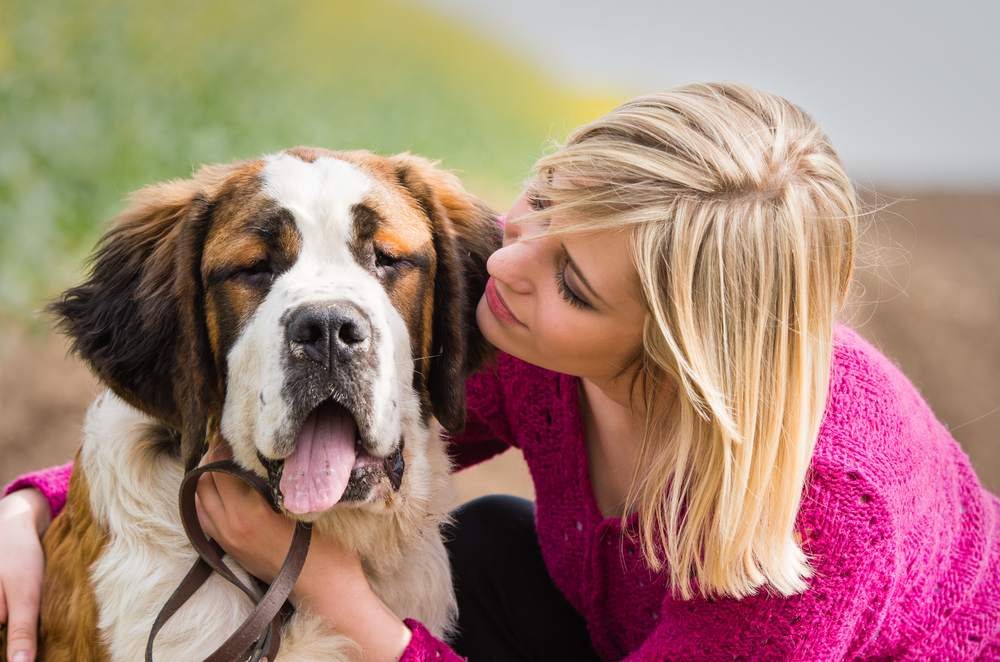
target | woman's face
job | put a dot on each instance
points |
(569, 303)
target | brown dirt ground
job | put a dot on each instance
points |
(936, 311)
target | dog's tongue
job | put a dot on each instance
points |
(316, 474)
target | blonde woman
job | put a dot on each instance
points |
(721, 471)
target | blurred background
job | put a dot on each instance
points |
(98, 98)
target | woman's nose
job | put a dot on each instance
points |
(512, 232)
(511, 265)
(523, 230)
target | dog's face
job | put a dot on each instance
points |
(318, 304)
(318, 307)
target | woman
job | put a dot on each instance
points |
(721, 472)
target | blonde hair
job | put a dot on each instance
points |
(743, 226)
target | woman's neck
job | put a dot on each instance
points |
(613, 431)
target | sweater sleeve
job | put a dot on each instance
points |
(52, 482)
(487, 429)
(424, 647)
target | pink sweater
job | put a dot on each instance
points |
(905, 549)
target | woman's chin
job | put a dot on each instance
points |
(495, 331)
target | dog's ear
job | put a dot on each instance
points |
(138, 319)
(466, 233)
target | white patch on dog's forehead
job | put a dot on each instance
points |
(319, 194)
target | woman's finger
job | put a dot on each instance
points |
(23, 598)
(218, 451)
(208, 504)
(20, 577)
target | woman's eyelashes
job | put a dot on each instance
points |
(567, 293)
(536, 202)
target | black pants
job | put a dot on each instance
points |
(509, 607)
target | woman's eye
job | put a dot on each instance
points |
(536, 202)
(567, 293)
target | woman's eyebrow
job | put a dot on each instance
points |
(579, 274)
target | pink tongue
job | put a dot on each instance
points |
(316, 474)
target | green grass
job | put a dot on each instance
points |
(98, 98)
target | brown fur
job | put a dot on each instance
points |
(73, 543)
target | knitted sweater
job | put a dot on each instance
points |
(903, 541)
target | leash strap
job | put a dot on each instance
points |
(259, 636)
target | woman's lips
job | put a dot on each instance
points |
(497, 306)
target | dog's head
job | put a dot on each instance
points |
(314, 306)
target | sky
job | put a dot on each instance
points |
(908, 92)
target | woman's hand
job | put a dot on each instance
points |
(24, 516)
(238, 519)
(332, 583)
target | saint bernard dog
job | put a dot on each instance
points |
(318, 310)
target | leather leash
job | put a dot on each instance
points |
(258, 637)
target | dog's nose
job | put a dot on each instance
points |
(328, 331)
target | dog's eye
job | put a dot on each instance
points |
(256, 273)
(385, 260)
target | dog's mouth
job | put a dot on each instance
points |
(329, 464)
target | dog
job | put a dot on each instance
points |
(316, 309)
